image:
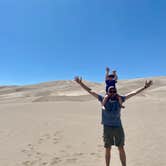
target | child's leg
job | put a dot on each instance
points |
(104, 101)
(120, 102)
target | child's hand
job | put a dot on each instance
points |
(107, 69)
(114, 71)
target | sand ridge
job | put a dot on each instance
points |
(70, 91)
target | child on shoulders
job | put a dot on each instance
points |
(111, 80)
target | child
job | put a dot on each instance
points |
(111, 80)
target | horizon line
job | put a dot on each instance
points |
(47, 81)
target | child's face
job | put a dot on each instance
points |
(110, 78)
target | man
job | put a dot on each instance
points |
(113, 133)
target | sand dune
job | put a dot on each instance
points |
(57, 123)
(50, 91)
(69, 90)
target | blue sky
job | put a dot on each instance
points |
(45, 40)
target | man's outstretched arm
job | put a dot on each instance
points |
(85, 87)
(135, 92)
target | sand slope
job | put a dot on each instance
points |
(57, 123)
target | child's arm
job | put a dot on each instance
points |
(104, 100)
(115, 74)
(107, 73)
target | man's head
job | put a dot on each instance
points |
(112, 91)
(110, 76)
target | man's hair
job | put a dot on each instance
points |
(111, 76)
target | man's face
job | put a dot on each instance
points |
(112, 92)
(111, 78)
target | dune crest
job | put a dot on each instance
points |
(70, 91)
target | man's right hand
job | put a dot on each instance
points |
(84, 86)
(78, 79)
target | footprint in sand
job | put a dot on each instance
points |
(55, 140)
(26, 163)
(92, 154)
(79, 154)
(35, 162)
(57, 137)
(47, 136)
(30, 149)
(40, 141)
(96, 155)
(44, 163)
(55, 160)
(29, 163)
(43, 138)
(36, 157)
(71, 160)
(68, 146)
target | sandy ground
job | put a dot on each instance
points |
(69, 132)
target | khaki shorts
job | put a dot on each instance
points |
(113, 136)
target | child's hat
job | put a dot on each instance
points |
(111, 76)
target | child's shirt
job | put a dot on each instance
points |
(110, 83)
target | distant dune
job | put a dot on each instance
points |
(70, 91)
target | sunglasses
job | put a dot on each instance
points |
(112, 91)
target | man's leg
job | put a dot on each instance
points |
(122, 155)
(107, 156)
(108, 142)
